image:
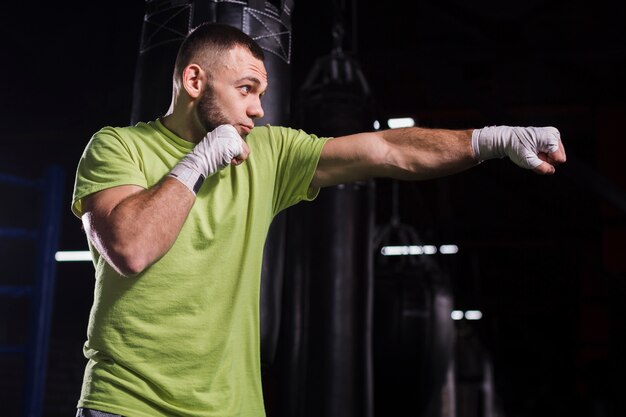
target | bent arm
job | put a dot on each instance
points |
(132, 227)
(408, 154)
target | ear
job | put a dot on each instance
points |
(194, 79)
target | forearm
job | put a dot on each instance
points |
(419, 153)
(133, 227)
(142, 227)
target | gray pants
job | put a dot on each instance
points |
(86, 412)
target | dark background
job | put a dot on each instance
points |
(542, 257)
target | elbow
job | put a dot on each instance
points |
(123, 251)
(401, 165)
(384, 157)
(398, 159)
(130, 269)
(127, 261)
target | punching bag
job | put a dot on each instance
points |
(413, 332)
(326, 360)
(166, 23)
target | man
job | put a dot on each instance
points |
(176, 212)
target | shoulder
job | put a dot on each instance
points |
(285, 146)
(275, 135)
(127, 137)
(266, 132)
(125, 133)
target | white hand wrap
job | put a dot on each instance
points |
(214, 152)
(520, 144)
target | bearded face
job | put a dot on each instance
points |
(232, 93)
(210, 114)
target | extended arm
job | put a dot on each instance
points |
(132, 227)
(419, 153)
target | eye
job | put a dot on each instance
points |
(245, 89)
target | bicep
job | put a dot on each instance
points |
(351, 158)
(103, 202)
(98, 206)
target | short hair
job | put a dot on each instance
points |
(206, 44)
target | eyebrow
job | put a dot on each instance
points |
(254, 80)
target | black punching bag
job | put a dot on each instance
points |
(165, 26)
(413, 331)
(326, 360)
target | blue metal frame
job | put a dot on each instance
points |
(42, 290)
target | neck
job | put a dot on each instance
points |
(184, 124)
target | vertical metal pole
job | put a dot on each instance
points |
(488, 389)
(43, 290)
(448, 407)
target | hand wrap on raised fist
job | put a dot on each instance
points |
(520, 144)
(214, 152)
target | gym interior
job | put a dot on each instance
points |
(494, 292)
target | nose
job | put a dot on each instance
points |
(255, 111)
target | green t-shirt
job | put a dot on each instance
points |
(182, 338)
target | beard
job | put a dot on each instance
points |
(209, 112)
